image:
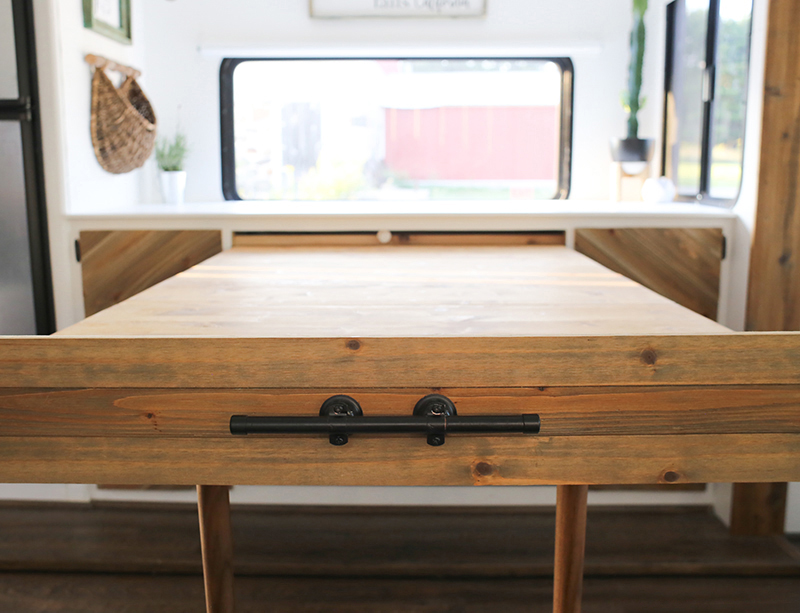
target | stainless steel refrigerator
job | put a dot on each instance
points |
(26, 304)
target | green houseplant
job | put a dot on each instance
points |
(633, 149)
(171, 158)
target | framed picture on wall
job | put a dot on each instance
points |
(111, 18)
(327, 9)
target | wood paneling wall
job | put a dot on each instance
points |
(774, 289)
(118, 264)
(682, 264)
(370, 239)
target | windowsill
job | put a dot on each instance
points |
(406, 210)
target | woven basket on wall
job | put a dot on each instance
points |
(123, 124)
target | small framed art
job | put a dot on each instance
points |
(111, 18)
(397, 8)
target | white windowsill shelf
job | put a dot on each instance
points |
(410, 210)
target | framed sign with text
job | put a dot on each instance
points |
(397, 8)
(111, 18)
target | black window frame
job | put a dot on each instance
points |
(227, 142)
(712, 40)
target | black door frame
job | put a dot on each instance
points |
(25, 109)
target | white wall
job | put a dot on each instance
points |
(73, 177)
(793, 509)
(178, 76)
(746, 205)
(183, 83)
(84, 180)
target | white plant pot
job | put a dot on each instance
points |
(173, 186)
(661, 189)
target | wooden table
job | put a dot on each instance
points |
(630, 387)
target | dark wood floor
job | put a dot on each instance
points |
(122, 559)
(70, 593)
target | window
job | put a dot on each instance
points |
(708, 51)
(396, 129)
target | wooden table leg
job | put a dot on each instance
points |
(570, 546)
(214, 509)
(758, 509)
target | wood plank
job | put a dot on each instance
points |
(368, 460)
(774, 288)
(396, 291)
(570, 547)
(682, 264)
(445, 319)
(116, 265)
(216, 543)
(727, 359)
(564, 411)
(370, 239)
(773, 301)
(119, 264)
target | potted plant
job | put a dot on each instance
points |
(170, 157)
(634, 152)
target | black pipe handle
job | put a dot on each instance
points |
(340, 416)
(345, 424)
(489, 424)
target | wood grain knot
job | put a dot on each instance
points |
(353, 345)
(671, 476)
(483, 469)
(648, 356)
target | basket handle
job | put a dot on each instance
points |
(98, 61)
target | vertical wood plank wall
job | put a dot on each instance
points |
(774, 287)
(370, 239)
(117, 264)
(682, 264)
